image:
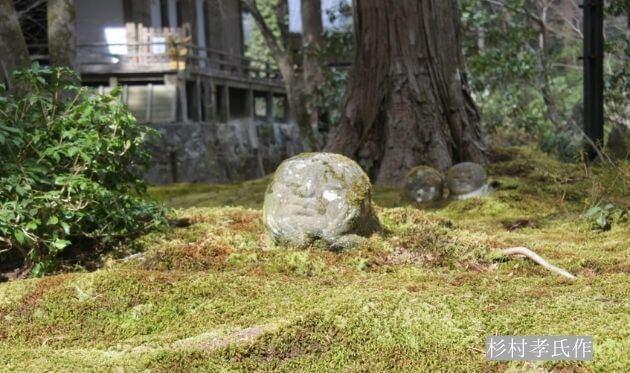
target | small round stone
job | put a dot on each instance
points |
(465, 178)
(424, 184)
(317, 196)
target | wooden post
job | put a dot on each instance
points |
(213, 111)
(206, 100)
(270, 106)
(144, 48)
(171, 80)
(594, 72)
(226, 102)
(249, 103)
(132, 41)
(199, 99)
(181, 85)
(252, 129)
(125, 95)
(149, 103)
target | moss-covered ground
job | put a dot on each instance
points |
(211, 295)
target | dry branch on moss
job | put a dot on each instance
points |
(537, 259)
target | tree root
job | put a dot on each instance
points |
(537, 259)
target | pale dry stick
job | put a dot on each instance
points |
(538, 259)
(139, 256)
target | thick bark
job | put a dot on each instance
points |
(312, 35)
(408, 103)
(61, 35)
(13, 51)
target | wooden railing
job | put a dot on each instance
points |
(162, 49)
(216, 60)
(171, 55)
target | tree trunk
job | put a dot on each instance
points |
(13, 51)
(61, 35)
(293, 77)
(312, 36)
(408, 102)
(295, 86)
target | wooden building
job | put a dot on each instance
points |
(181, 66)
(177, 60)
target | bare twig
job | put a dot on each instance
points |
(477, 350)
(525, 11)
(574, 27)
(520, 10)
(537, 259)
(31, 7)
(567, 66)
(600, 152)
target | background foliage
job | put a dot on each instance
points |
(334, 55)
(508, 67)
(256, 48)
(68, 175)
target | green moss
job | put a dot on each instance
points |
(14, 292)
(249, 194)
(420, 296)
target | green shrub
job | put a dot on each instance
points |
(602, 217)
(68, 176)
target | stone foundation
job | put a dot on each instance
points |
(238, 150)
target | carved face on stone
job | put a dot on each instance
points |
(465, 178)
(424, 184)
(316, 196)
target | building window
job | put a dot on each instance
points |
(260, 106)
(151, 103)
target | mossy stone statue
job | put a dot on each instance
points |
(467, 180)
(319, 196)
(424, 184)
